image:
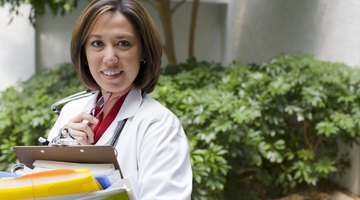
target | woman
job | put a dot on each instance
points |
(116, 50)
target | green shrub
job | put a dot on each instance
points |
(258, 131)
(25, 113)
(255, 131)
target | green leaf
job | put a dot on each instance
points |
(326, 128)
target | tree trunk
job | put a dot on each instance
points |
(193, 21)
(165, 13)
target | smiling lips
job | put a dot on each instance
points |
(111, 72)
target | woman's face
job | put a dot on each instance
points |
(113, 52)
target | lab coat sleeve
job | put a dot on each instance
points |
(67, 112)
(55, 129)
(164, 161)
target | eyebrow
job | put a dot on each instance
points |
(125, 36)
(121, 36)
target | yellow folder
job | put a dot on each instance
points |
(48, 183)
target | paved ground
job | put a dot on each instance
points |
(342, 196)
(323, 196)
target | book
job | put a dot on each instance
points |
(98, 168)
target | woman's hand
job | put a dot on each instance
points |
(80, 127)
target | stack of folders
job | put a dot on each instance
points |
(72, 172)
(50, 180)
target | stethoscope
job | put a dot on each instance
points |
(73, 97)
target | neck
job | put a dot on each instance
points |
(113, 99)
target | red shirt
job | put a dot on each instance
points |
(103, 124)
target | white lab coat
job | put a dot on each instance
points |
(153, 151)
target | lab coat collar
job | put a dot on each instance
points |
(128, 109)
(130, 106)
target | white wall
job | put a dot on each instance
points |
(257, 30)
(351, 178)
(53, 38)
(209, 36)
(17, 48)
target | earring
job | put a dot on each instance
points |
(143, 62)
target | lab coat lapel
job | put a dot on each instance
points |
(128, 109)
(92, 101)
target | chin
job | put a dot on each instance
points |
(119, 90)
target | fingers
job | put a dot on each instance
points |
(84, 117)
(82, 132)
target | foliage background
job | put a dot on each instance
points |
(256, 131)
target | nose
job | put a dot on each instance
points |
(110, 57)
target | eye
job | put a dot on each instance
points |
(97, 43)
(123, 44)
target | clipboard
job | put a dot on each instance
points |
(95, 154)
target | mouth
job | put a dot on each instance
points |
(111, 72)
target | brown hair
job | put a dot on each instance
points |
(145, 28)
